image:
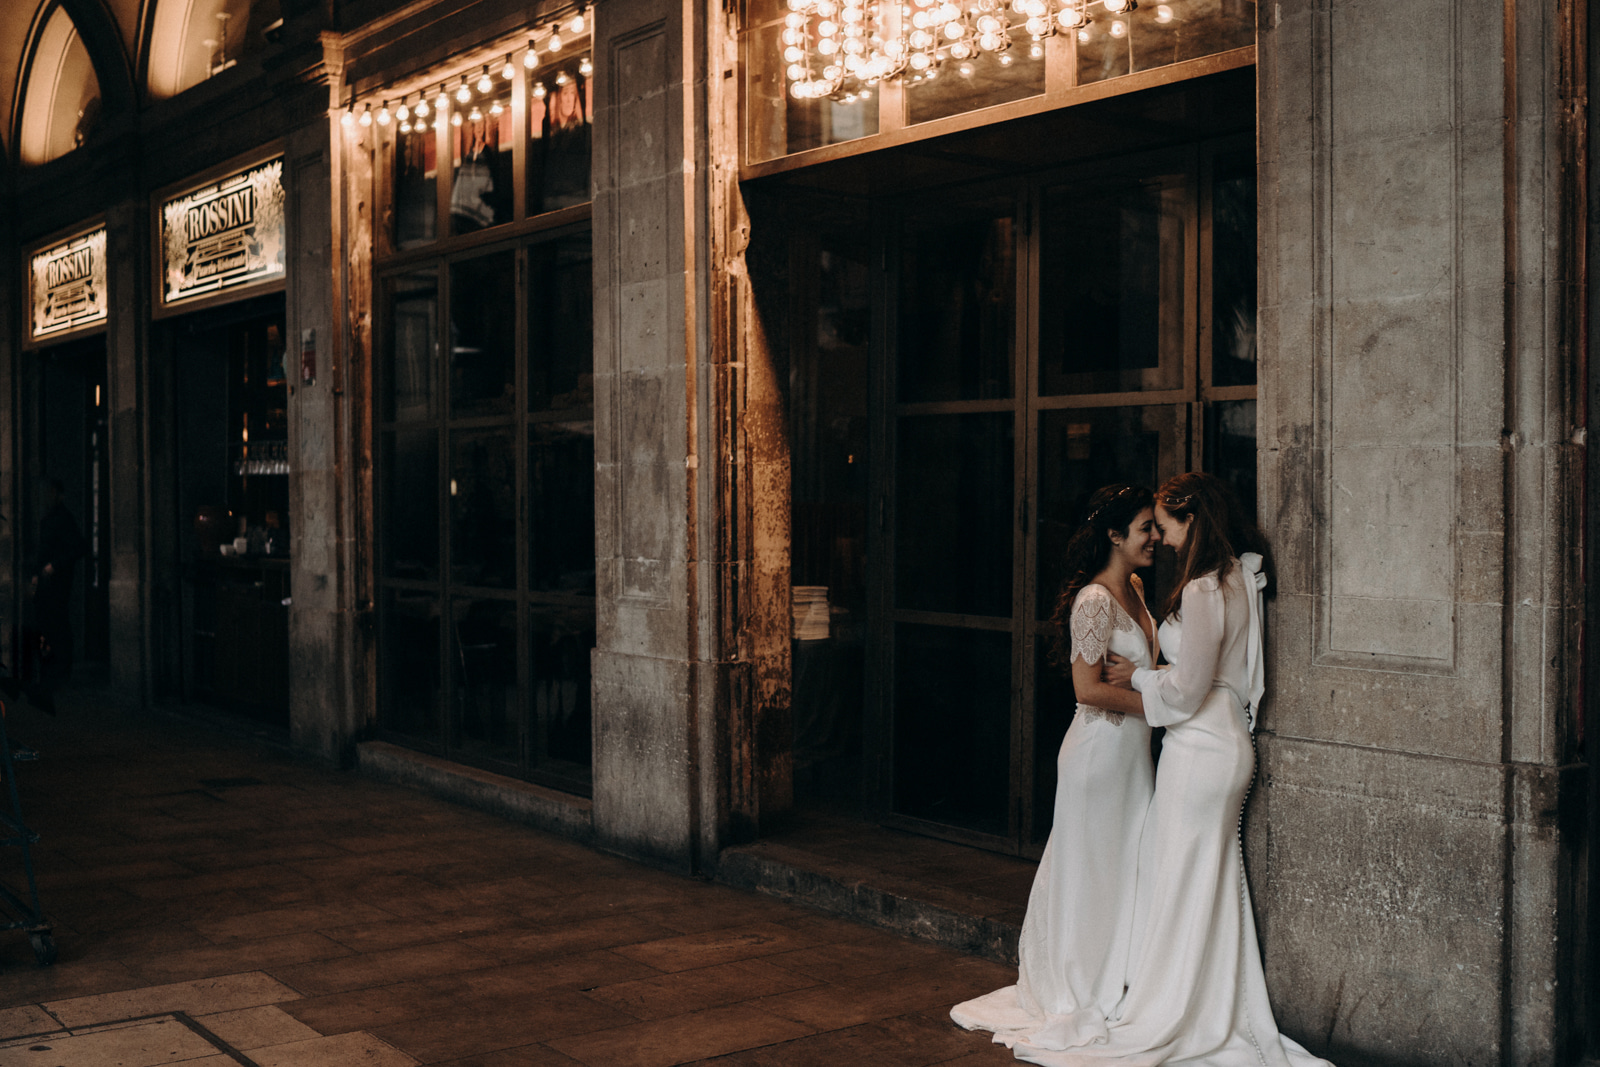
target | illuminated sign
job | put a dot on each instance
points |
(68, 285)
(224, 235)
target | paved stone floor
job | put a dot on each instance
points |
(220, 902)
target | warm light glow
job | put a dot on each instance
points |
(442, 101)
(585, 67)
(555, 41)
(348, 119)
(402, 112)
(455, 119)
(463, 94)
(531, 58)
(1163, 13)
(1117, 7)
(508, 71)
(366, 115)
(1119, 28)
(485, 83)
(539, 90)
(577, 24)
(383, 114)
(475, 115)
(495, 108)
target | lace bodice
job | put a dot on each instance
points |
(1100, 624)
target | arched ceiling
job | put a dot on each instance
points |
(110, 32)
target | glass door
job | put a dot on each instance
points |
(1043, 338)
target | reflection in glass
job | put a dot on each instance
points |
(561, 637)
(952, 725)
(983, 80)
(1231, 447)
(560, 124)
(484, 643)
(416, 177)
(1112, 288)
(1233, 273)
(410, 474)
(777, 123)
(957, 307)
(408, 662)
(1080, 450)
(410, 374)
(953, 507)
(483, 516)
(561, 325)
(1156, 35)
(480, 191)
(482, 335)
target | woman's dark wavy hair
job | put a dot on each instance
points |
(1111, 508)
(1221, 530)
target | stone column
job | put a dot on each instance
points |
(1408, 849)
(651, 322)
(127, 388)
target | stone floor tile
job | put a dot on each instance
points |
(238, 956)
(502, 1024)
(340, 1050)
(380, 968)
(159, 1041)
(858, 958)
(216, 881)
(585, 971)
(224, 993)
(367, 1009)
(276, 921)
(834, 1006)
(707, 987)
(28, 1019)
(719, 946)
(679, 1039)
(605, 931)
(22, 983)
(251, 1028)
(522, 1056)
(393, 932)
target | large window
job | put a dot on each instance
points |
(485, 404)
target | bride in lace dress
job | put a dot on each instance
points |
(1073, 953)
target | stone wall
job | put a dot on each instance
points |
(1418, 481)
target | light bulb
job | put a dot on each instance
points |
(562, 78)
(826, 29)
(919, 61)
(954, 30)
(853, 47)
(463, 94)
(366, 115)
(577, 24)
(1037, 27)
(1083, 36)
(792, 37)
(1005, 60)
(1036, 9)
(485, 83)
(348, 119)
(530, 59)
(960, 50)
(496, 108)
(1163, 13)
(793, 54)
(932, 74)
(827, 9)
(1037, 51)
(1070, 18)
(920, 20)
(474, 115)
(422, 106)
(988, 24)
(402, 112)
(555, 41)
(1116, 7)
(866, 94)
(455, 120)
(796, 72)
(508, 71)
(827, 46)
(798, 90)
(383, 114)
(794, 20)
(405, 127)
(585, 67)
(1119, 28)
(989, 42)
(441, 101)
(539, 90)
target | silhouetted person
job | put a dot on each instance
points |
(60, 547)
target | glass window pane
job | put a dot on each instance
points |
(1054, 704)
(483, 335)
(779, 122)
(484, 642)
(983, 80)
(480, 192)
(1112, 287)
(408, 661)
(1231, 447)
(1082, 449)
(560, 124)
(415, 202)
(953, 494)
(410, 482)
(952, 725)
(561, 325)
(1233, 273)
(958, 304)
(410, 370)
(561, 637)
(483, 515)
(561, 506)
(1155, 35)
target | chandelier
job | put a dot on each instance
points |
(842, 48)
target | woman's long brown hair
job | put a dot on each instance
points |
(1111, 508)
(1221, 530)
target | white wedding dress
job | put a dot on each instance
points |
(1073, 953)
(1196, 992)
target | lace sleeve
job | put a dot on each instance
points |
(1091, 624)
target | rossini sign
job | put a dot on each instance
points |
(67, 285)
(224, 236)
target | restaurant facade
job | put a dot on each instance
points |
(672, 416)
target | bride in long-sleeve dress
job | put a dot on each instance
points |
(1073, 953)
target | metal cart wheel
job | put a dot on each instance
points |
(44, 947)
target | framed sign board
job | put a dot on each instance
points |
(67, 285)
(221, 237)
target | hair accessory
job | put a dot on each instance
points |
(1093, 514)
(1176, 501)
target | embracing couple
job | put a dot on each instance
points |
(1139, 944)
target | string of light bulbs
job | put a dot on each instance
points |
(411, 117)
(842, 49)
